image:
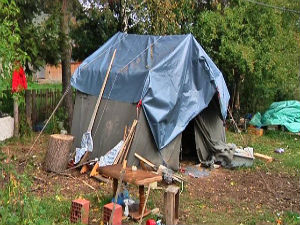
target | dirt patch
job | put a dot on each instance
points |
(247, 188)
(222, 191)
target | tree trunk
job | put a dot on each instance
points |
(236, 98)
(16, 118)
(66, 61)
(58, 152)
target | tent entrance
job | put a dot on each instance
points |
(188, 144)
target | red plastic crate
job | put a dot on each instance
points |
(117, 217)
(80, 211)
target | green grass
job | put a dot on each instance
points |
(34, 86)
(266, 144)
(19, 206)
(37, 86)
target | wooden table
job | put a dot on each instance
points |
(138, 177)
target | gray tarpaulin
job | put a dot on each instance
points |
(172, 75)
(210, 137)
(108, 130)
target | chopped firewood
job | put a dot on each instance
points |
(94, 170)
(84, 169)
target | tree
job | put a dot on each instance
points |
(94, 26)
(254, 51)
(66, 53)
(10, 52)
(39, 34)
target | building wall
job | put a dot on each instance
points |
(53, 74)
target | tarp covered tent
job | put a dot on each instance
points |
(174, 79)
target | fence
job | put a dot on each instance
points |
(39, 104)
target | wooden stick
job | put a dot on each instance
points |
(101, 93)
(85, 156)
(129, 145)
(125, 133)
(124, 146)
(122, 173)
(145, 160)
(144, 207)
(79, 165)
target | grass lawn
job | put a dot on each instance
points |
(35, 86)
(267, 193)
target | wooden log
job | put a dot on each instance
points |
(58, 152)
(28, 102)
(16, 118)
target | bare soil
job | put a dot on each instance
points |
(222, 191)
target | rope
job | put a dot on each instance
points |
(104, 52)
(58, 104)
(274, 7)
(118, 73)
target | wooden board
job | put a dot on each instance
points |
(264, 157)
(138, 177)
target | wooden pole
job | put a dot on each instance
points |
(101, 93)
(86, 155)
(144, 206)
(16, 117)
(117, 190)
(28, 102)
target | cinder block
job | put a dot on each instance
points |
(80, 211)
(117, 217)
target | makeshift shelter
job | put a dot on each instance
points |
(175, 81)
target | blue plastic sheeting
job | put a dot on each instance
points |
(286, 113)
(172, 75)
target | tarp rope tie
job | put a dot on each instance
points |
(117, 75)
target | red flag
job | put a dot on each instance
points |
(19, 82)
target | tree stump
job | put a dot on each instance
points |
(58, 152)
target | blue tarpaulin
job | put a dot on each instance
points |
(172, 75)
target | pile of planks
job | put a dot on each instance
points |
(128, 138)
(122, 155)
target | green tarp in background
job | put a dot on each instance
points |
(286, 113)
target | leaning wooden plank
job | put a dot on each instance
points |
(129, 145)
(264, 157)
(91, 124)
(125, 133)
(126, 142)
(145, 160)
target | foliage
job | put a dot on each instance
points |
(10, 52)
(39, 35)
(254, 51)
(19, 206)
(93, 27)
